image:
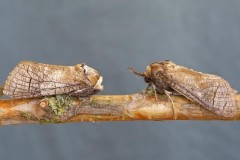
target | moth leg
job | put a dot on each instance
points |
(147, 89)
(168, 93)
(175, 93)
(151, 89)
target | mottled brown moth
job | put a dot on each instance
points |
(31, 79)
(210, 91)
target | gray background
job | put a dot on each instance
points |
(112, 36)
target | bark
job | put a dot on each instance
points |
(138, 106)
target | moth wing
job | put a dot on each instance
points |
(210, 91)
(22, 83)
(53, 88)
(26, 80)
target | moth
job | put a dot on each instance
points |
(210, 91)
(31, 79)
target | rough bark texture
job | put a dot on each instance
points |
(61, 109)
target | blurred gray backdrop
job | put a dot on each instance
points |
(112, 36)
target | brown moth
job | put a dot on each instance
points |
(210, 91)
(31, 79)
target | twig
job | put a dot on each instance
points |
(62, 109)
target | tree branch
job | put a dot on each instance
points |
(63, 108)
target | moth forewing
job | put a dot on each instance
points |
(31, 79)
(218, 99)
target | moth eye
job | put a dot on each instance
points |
(79, 68)
(84, 70)
(147, 80)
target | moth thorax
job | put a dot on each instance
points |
(154, 70)
(98, 86)
(94, 77)
(147, 74)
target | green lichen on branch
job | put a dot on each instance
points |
(26, 115)
(29, 117)
(50, 109)
(59, 104)
(48, 121)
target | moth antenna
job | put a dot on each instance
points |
(136, 72)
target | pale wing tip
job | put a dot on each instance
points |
(234, 91)
(99, 85)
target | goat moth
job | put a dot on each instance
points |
(31, 79)
(210, 91)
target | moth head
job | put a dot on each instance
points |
(157, 68)
(154, 69)
(88, 75)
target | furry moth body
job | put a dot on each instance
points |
(210, 91)
(31, 79)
